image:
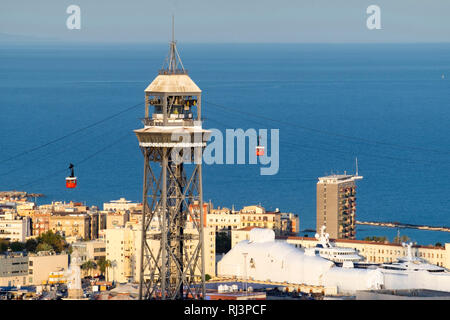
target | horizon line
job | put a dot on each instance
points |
(96, 42)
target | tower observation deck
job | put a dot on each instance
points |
(172, 262)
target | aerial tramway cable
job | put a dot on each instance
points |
(56, 173)
(59, 150)
(235, 112)
(70, 134)
(323, 149)
(329, 133)
(343, 151)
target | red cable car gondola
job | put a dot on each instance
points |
(259, 149)
(71, 181)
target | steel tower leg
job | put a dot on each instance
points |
(144, 213)
(176, 269)
(163, 227)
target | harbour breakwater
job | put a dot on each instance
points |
(403, 225)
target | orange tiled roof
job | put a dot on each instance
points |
(246, 228)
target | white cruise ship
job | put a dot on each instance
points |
(411, 263)
(345, 257)
(261, 258)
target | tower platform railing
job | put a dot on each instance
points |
(150, 122)
(169, 72)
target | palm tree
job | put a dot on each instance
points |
(93, 266)
(113, 266)
(104, 265)
(108, 264)
(84, 267)
(400, 239)
(89, 266)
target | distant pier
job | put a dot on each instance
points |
(19, 194)
(403, 225)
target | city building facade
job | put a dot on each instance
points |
(92, 250)
(123, 247)
(77, 225)
(336, 205)
(44, 265)
(122, 244)
(280, 223)
(14, 227)
(223, 219)
(116, 219)
(40, 223)
(13, 269)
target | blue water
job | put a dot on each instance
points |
(391, 97)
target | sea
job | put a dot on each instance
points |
(388, 105)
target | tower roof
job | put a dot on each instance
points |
(173, 83)
(173, 78)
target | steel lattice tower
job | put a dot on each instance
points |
(172, 262)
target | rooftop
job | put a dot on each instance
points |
(173, 83)
(356, 241)
(246, 228)
(121, 200)
(70, 214)
(339, 178)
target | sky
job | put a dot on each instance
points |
(227, 21)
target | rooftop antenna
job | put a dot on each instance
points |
(173, 59)
(356, 160)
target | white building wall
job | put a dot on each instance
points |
(40, 266)
(119, 251)
(15, 228)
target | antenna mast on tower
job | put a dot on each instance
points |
(173, 58)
